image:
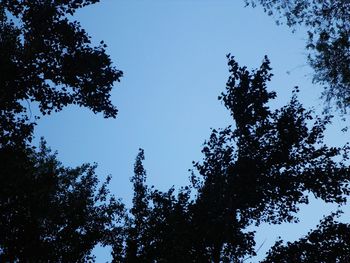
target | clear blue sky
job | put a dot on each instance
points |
(173, 54)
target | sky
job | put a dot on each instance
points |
(173, 55)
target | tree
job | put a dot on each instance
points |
(49, 212)
(257, 170)
(157, 228)
(48, 60)
(139, 212)
(262, 169)
(329, 242)
(328, 25)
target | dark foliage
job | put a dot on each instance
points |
(50, 213)
(158, 227)
(328, 24)
(47, 60)
(330, 242)
(262, 169)
(259, 170)
(271, 158)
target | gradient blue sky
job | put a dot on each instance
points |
(173, 54)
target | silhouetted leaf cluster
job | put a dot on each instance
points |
(329, 242)
(157, 222)
(328, 25)
(48, 212)
(51, 213)
(48, 60)
(260, 169)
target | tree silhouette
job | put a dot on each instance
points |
(257, 170)
(48, 60)
(329, 242)
(139, 211)
(157, 222)
(49, 212)
(265, 166)
(328, 25)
